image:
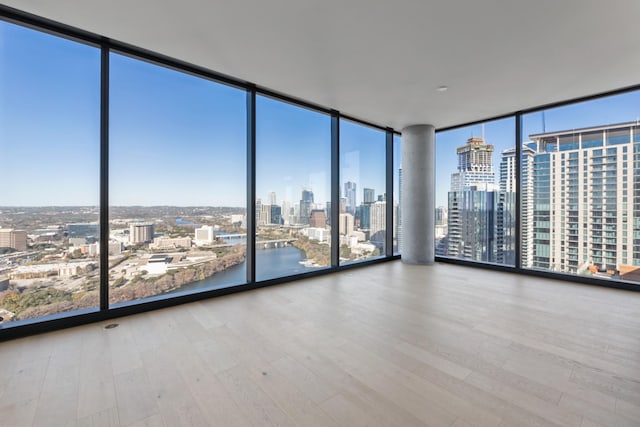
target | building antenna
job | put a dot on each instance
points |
(544, 124)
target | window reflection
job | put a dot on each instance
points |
(363, 200)
(50, 151)
(476, 193)
(177, 182)
(293, 189)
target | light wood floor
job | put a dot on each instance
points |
(385, 345)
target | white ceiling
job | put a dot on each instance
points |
(382, 60)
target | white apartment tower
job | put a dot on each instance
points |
(585, 204)
(378, 223)
(508, 184)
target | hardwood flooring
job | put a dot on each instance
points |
(387, 345)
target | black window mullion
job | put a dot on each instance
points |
(518, 168)
(335, 189)
(251, 186)
(104, 177)
(389, 195)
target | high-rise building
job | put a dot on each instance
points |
(369, 195)
(441, 215)
(471, 227)
(294, 213)
(259, 220)
(378, 224)
(584, 199)
(364, 215)
(286, 212)
(306, 205)
(295, 219)
(276, 215)
(272, 198)
(318, 218)
(481, 220)
(15, 239)
(346, 224)
(328, 211)
(350, 196)
(204, 235)
(265, 216)
(475, 166)
(140, 232)
(441, 221)
(508, 184)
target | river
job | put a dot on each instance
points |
(270, 263)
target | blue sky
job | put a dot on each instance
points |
(49, 123)
(499, 133)
(362, 158)
(175, 139)
(180, 140)
(293, 151)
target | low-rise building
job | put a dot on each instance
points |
(15, 239)
(163, 243)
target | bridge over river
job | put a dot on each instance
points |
(234, 239)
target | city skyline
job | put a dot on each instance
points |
(500, 133)
(578, 196)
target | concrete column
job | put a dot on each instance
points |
(418, 194)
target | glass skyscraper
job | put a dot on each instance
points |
(481, 220)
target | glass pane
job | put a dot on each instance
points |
(363, 192)
(293, 189)
(177, 182)
(581, 200)
(476, 193)
(397, 194)
(50, 151)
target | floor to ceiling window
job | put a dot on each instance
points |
(167, 146)
(581, 188)
(177, 182)
(363, 200)
(180, 173)
(50, 172)
(476, 193)
(293, 189)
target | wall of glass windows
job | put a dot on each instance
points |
(575, 188)
(580, 189)
(476, 193)
(136, 181)
(50, 174)
(293, 189)
(363, 198)
(131, 182)
(177, 163)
